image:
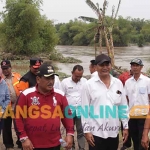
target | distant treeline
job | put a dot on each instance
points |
(126, 31)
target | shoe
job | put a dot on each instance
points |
(124, 148)
(19, 146)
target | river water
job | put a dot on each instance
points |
(123, 56)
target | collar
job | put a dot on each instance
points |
(73, 81)
(140, 77)
(4, 77)
(97, 78)
(49, 93)
(94, 73)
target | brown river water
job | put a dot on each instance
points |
(123, 56)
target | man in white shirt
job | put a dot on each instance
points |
(137, 89)
(100, 94)
(72, 87)
(92, 68)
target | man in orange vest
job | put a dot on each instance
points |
(29, 79)
(12, 80)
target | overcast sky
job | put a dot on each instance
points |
(65, 10)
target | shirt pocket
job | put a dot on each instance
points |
(142, 90)
(114, 97)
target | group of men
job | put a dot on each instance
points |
(41, 102)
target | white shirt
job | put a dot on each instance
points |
(72, 90)
(137, 92)
(57, 83)
(95, 94)
(94, 74)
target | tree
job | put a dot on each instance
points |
(24, 30)
(104, 28)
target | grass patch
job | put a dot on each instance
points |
(20, 66)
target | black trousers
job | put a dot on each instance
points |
(128, 143)
(136, 126)
(105, 144)
(7, 133)
(52, 148)
(1, 125)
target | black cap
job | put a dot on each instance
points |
(35, 62)
(137, 61)
(102, 58)
(46, 70)
(92, 62)
(5, 64)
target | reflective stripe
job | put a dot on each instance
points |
(15, 83)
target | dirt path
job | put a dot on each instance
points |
(15, 138)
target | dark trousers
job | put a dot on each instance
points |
(105, 144)
(52, 148)
(80, 135)
(128, 143)
(7, 134)
(136, 126)
(1, 125)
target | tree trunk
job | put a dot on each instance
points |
(100, 42)
(112, 50)
(106, 41)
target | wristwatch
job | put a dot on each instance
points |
(22, 140)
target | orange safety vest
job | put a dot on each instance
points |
(16, 79)
(22, 86)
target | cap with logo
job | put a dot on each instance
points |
(46, 70)
(137, 61)
(35, 62)
(102, 58)
(5, 64)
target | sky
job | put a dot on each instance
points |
(65, 10)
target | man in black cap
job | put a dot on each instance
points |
(43, 131)
(101, 92)
(29, 79)
(137, 89)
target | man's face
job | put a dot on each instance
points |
(34, 70)
(6, 71)
(45, 84)
(92, 68)
(135, 68)
(77, 75)
(103, 69)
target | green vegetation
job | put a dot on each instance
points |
(24, 31)
(126, 31)
(56, 56)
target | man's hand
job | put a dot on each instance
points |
(90, 139)
(145, 141)
(125, 135)
(69, 141)
(27, 145)
(1, 115)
